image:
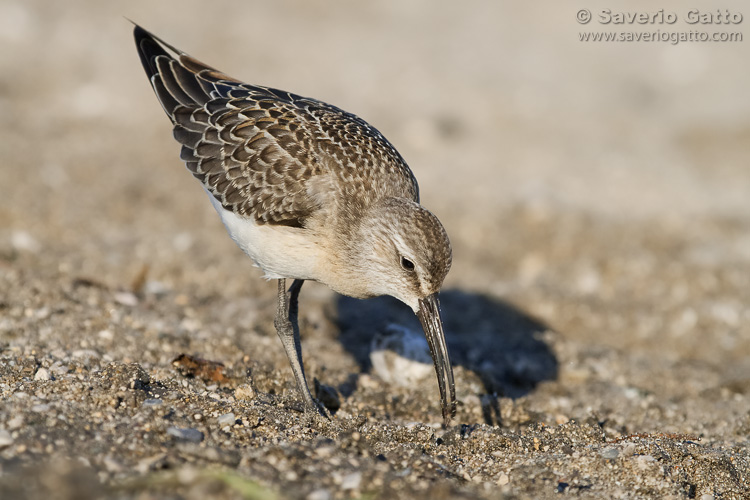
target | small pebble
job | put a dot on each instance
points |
(106, 335)
(324, 451)
(59, 369)
(156, 288)
(187, 434)
(629, 450)
(319, 495)
(644, 462)
(244, 392)
(187, 475)
(111, 464)
(401, 356)
(42, 374)
(291, 476)
(15, 423)
(226, 419)
(126, 299)
(152, 402)
(24, 242)
(610, 453)
(5, 439)
(351, 481)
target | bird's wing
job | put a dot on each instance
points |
(257, 149)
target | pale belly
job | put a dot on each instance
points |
(280, 251)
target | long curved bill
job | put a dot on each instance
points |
(429, 316)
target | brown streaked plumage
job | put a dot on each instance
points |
(308, 191)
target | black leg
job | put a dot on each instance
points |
(288, 331)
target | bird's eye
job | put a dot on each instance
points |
(407, 264)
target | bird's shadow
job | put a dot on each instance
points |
(497, 341)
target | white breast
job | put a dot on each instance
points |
(280, 251)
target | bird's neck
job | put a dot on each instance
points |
(353, 264)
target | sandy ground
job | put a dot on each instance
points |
(597, 196)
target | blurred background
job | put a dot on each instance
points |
(601, 187)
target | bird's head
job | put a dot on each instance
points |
(403, 251)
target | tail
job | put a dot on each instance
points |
(177, 79)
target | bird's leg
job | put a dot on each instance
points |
(288, 331)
